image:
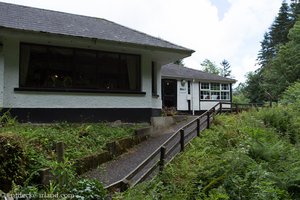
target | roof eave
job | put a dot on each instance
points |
(187, 52)
(197, 79)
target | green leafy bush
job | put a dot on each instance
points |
(240, 157)
(291, 95)
(6, 119)
(14, 161)
(65, 185)
(26, 148)
(87, 189)
(284, 120)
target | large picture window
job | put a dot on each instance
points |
(214, 91)
(69, 68)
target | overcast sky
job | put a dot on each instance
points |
(215, 29)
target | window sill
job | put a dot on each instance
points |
(155, 95)
(29, 89)
(215, 100)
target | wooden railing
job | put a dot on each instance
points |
(175, 144)
(237, 107)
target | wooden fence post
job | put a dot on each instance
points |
(198, 127)
(162, 158)
(182, 140)
(60, 151)
(124, 185)
(237, 108)
(208, 120)
(220, 108)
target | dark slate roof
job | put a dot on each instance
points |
(177, 71)
(40, 20)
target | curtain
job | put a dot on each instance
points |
(132, 72)
(24, 65)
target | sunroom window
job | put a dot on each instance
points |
(224, 86)
(215, 86)
(69, 68)
(215, 91)
(205, 86)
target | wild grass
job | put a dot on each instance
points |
(80, 139)
(242, 156)
(26, 148)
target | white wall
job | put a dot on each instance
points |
(27, 99)
(195, 96)
(206, 105)
(1, 77)
(182, 96)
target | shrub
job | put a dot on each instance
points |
(240, 98)
(6, 119)
(13, 165)
(292, 95)
(237, 158)
(283, 120)
(64, 185)
(87, 189)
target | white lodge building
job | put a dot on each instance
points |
(57, 66)
(193, 90)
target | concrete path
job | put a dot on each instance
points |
(115, 170)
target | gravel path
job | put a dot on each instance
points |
(117, 169)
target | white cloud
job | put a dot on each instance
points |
(191, 23)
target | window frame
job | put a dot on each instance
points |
(228, 86)
(138, 73)
(211, 91)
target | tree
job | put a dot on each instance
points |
(295, 10)
(179, 62)
(292, 96)
(278, 57)
(253, 89)
(239, 94)
(266, 53)
(210, 67)
(225, 70)
(280, 28)
(278, 32)
(284, 69)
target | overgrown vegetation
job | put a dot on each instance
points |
(65, 185)
(14, 161)
(252, 155)
(26, 148)
(80, 139)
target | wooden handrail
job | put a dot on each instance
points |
(143, 164)
(197, 120)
